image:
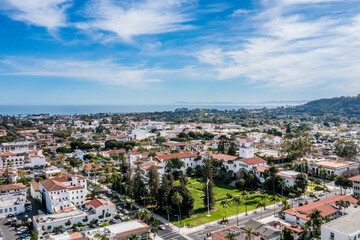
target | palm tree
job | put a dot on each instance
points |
(177, 199)
(274, 199)
(154, 225)
(246, 196)
(250, 233)
(139, 214)
(168, 209)
(225, 204)
(305, 228)
(292, 195)
(230, 236)
(315, 220)
(238, 200)
(261, 204)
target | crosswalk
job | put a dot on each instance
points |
(171, 235)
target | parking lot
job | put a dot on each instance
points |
(8, 231)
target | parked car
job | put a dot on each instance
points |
(162, 227)
(10, 215)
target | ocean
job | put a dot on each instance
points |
(91, 109)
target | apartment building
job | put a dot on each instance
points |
(17, 147)
(62, 193)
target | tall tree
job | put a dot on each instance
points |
(346, 149)
(154, 182)
(315, 220)
(249, 233)
(177, 199)
(237, 200)
(246, 196)
(225, 204)
(139, 189)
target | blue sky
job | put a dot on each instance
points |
(164, 51)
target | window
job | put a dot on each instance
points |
(1, 211)
(332, 235)
(15, 208)
(10, 209)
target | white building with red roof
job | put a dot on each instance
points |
(62, 193)
(100, 209)
(326, 206)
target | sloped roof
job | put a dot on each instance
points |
(323, 205)
(166, 157)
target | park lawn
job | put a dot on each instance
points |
(311, 187)
(199, 216)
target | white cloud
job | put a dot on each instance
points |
(128, 19)
(103, 71)
(44, 13)
(239, 12)
(290, 50)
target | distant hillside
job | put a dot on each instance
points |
(346, 106)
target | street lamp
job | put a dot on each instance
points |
(178, 221)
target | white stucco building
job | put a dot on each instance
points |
(62, 193)
(344, 228)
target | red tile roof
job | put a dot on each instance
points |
(148, 166)
(224, 157)
(183, 155)
(355, 178)
(253, 160)
(52, 185)
(323, 205)
(35, 186)
(98, 202)
(9, 187)
(92, 167)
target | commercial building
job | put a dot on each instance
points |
(344, 228)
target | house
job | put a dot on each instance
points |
(326, 206)
(122, 138)
(100, 208)
(111, 153)
(344, 228)
(11, 172)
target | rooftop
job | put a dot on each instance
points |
(348, 224)
(335, 164)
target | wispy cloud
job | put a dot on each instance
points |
(128, 19)
(104, 71)
(290, 49)
(44, 13)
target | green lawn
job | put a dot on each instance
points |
(199, 217)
